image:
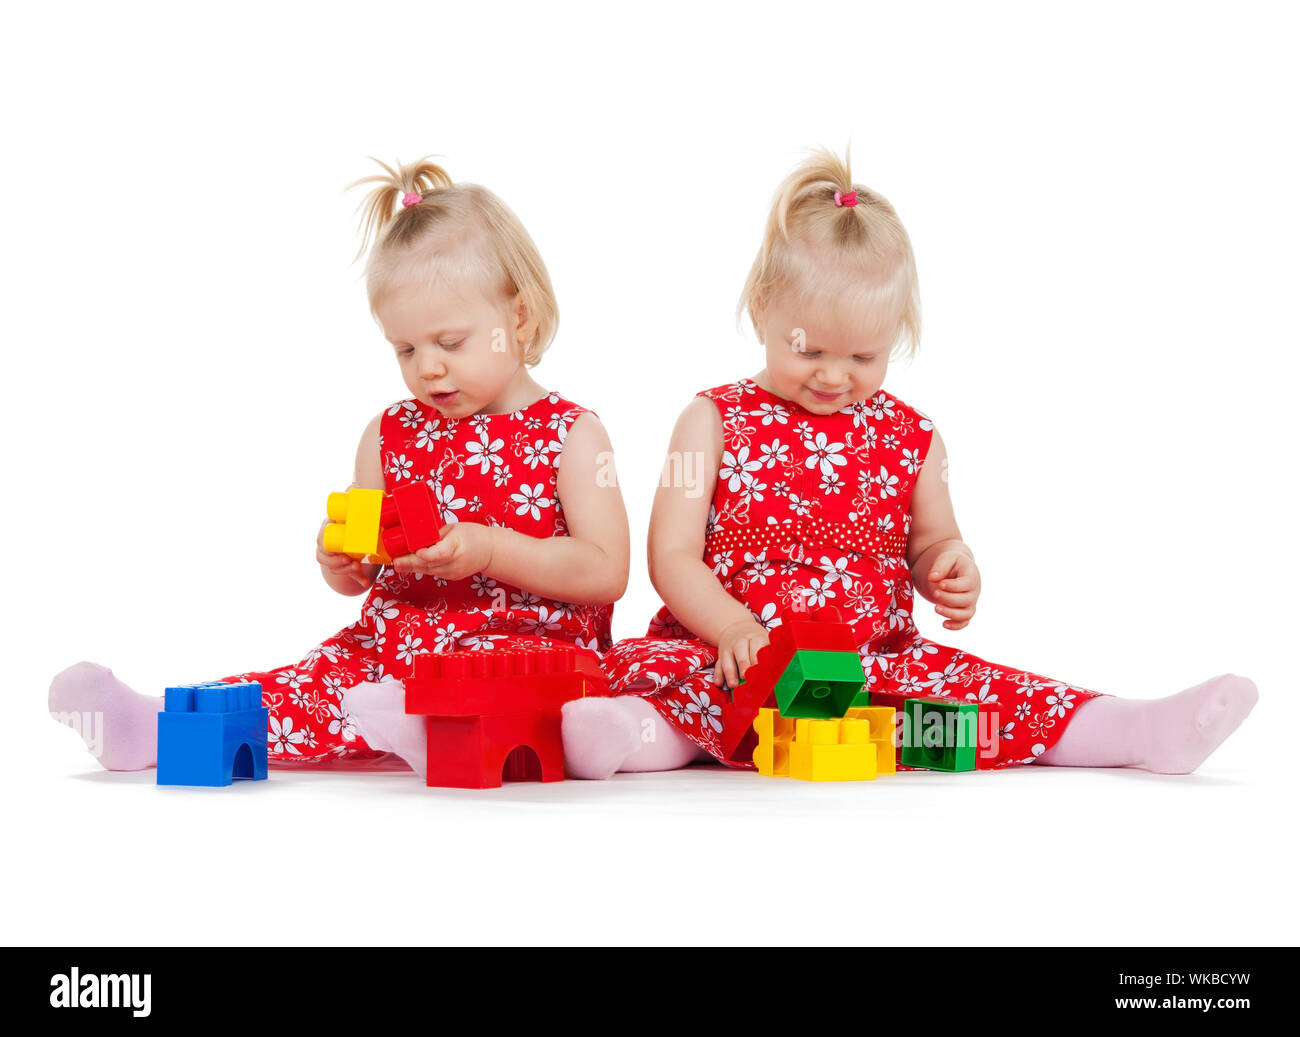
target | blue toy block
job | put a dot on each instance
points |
(210, 734)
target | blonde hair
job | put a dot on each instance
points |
(851, 260)
(456, 233)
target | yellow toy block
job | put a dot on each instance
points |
(354, 524)
(857, 748)
(882, 720)
(772, 754)
(832, 750)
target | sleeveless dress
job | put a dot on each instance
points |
(495, 469)
(817, 507)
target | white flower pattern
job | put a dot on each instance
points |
(471, 465)
(851, 470)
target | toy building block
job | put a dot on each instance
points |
(940, 734)
(354, 523)
(378, 526)
(410, 519)
(210, 734)
(856, 748)
(832, 750)
(881, 721)
(494, 714)
(775, 732)
(881, 698)
(822, 682)
(819, 685)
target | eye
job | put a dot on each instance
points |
(452, 345)
(406, 352)
(864, 359)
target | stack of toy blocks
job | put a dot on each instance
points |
(857, 747)
(496, 713)
(940, 734)
(802, 691)
(210, 734)
(379, 526)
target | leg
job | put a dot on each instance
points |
(624, 733)
(118, 725)
(379, 713)
(1172, 735)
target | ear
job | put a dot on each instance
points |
(525, 321)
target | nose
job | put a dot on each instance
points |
(830, 378)
(431, 366)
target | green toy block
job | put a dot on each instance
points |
(941, 734)
(819, 685)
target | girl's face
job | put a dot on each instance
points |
(459, 350)
(820, 365)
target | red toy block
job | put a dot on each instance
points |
(822, 630)
(477, 752)
(755, 693)
(410, 519)
(494, 714)
(465, 684)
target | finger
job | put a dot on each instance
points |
(729, 670)
(406, 564)
(743, 660)
(956, 583)
(439, 552)
(942, 566)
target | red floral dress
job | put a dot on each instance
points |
(496, 469)
(817, 507)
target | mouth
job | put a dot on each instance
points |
(825, 397)
(444, 399)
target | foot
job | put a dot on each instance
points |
(1183, 729)
(598, 736)
(118, 725)
(378, 711)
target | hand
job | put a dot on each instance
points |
(955, 585)
(464, 548)
(738, 647)
(339, 564)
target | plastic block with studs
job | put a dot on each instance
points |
(882, 721)
(210, 734)
(940, 734)
(832, 750)
(494, 715)
(798, 628)
(819, 685)
(354, 523)
(823, 631)
(775, 732)
(410, 519)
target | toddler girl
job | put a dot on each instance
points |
(825, 489)
(535, 546)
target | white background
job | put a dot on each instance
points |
(1102, 202)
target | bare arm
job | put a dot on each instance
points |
(367, 474)
(677, 524)
(934, 543)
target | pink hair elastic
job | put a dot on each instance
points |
(412, 198)
(848, 198)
